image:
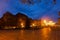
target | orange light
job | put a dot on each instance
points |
(22, 25)
(33, 25)
(45, 32)
(46, 23)
(51, 23)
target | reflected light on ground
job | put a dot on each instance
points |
(45, 33)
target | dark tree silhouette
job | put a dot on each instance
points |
(23, 1)
(30, 1)
(54, 1)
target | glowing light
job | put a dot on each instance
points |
(51, 23)
(48, 23)
(45, 22)
(22, 25)
(14, 27)
(33, 25)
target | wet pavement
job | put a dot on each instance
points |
(41, 34)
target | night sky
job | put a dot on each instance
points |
(35, 9)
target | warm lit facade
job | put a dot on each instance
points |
(10, 21)
(35, 23)
(21, 23)
(47, 23)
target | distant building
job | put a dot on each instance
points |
(13, 21)
(21, 20)
(8, 20)
(35, 23)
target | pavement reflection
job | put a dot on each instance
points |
(42, 34)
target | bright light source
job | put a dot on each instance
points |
(48, 23)
(51, 23)
(33, 25)
(22, 25)
(45, 22)
(14, 27)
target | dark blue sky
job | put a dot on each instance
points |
(44, 8)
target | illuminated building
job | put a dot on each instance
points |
(10, 21)
(48, 23)
(21, 23)
(35, 24)
(21, 20)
